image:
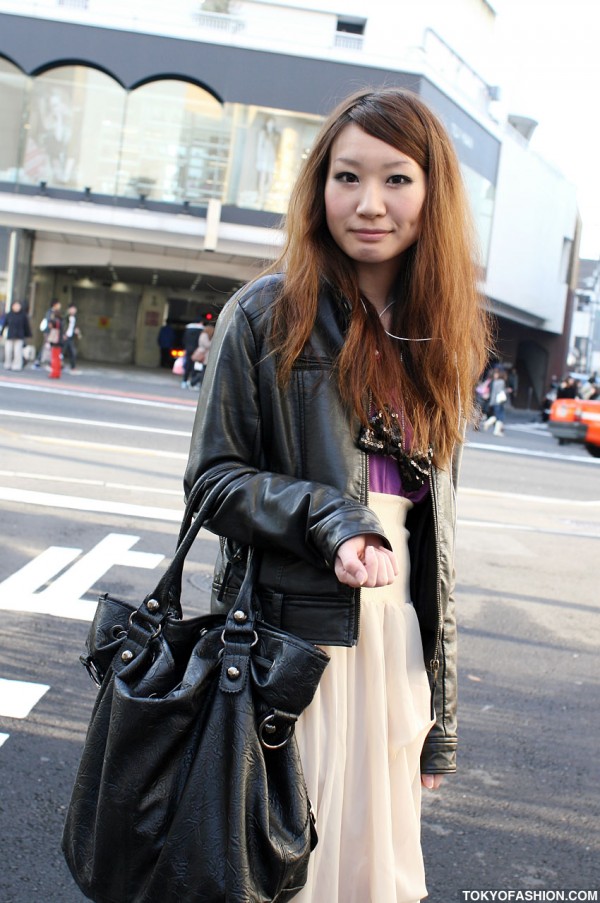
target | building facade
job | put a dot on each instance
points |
(146, 161)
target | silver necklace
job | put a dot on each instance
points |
(400, 338)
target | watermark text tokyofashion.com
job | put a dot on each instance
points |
(541, 896)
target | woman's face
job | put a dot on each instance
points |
(373, 198)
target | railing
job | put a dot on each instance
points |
(218, 21)
(348, 41)
(445, 60)
(128, 14)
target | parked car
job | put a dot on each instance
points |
(576, 420)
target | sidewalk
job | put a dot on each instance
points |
(127, 380)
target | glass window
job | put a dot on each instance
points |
(175, 144)
(73, 131)
(14, 87)
(268, 149)
(482, 195)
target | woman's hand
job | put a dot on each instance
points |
(365, 561)
(432, 781)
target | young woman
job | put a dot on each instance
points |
(332, 410)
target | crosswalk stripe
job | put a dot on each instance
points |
(18, 697)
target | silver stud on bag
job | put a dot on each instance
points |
(152, 605)
(127, 656)
(233, 673)
(240, 616)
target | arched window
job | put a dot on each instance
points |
(14, 87)
(175, 144)
(73, 130)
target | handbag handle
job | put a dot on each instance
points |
(168, 590)
(239, 634)
(167, 595)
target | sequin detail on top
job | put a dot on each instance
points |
(386, 436)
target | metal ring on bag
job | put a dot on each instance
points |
(268, 724)
(156, 632)
(92, 669)
(252, 644)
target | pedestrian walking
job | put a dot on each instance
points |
(55, 339)
(17, 330)
(497, 401)
(200, 356)
(191, 337)
(44, 352)
(72, 334)
(331, 418)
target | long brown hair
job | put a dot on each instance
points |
(436, 292)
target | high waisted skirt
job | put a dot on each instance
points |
(360, 742)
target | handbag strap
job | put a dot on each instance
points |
(168, 590)
(166, 597)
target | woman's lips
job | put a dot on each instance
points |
(370, 234)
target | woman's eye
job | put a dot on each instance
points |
(345, 177)
(399, 180)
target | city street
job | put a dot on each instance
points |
(91, 499)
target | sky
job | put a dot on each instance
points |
(549, 69)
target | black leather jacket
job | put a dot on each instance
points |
(294, 484)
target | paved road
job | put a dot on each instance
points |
(90, 499)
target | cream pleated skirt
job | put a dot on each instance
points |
(360, 742)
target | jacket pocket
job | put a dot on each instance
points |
(327, 620)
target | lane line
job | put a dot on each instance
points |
(79, 481)
(111, 425)
(3, 738)
(529, 453)
(18, 697)
(153, 401)
(105, 446)
(97, 506)
(522, 497)
(524, 528)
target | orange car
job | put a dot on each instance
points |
(576, 420)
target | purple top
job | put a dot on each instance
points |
(385, 477)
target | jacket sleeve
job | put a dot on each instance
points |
(439, 750)
(255, 505)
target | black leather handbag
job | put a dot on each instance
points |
(190, 787)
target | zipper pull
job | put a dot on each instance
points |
(434, 666)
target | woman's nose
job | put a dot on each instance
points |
(371, 202)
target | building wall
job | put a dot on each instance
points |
(525, 211)
(533, 229)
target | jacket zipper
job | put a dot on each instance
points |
(365, 468)
(434, 663)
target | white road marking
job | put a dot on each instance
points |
(105, 424)
(63, 597)
(96, 396)
(18, 697)
(3, 738)
(532, 429)
(524, 528)
(99, 506)
(529, 453)
(105, 446)
(522, 497)
(25, 475)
